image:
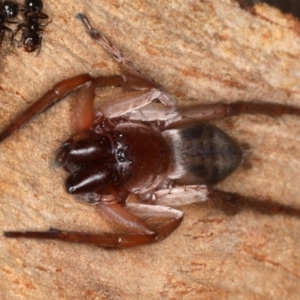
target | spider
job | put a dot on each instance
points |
(143, 144)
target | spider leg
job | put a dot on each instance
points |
(105, 240)
(221, 110)
(83, 107)
(181, 195)
(146, 224)
(232, 203)
(229, 203)
(164, 220)
(155, 111)
(58, 92)
(127, 103)
(141, 94)
(194, 194)
(128, 66)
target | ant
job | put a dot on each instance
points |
(32, 32)
(143, 144)
(34, 6)
(8, 10)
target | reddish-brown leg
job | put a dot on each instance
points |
(220, 110)
(163, 219)
(58, 92)
(145, 224)
(83, 108)
(105, 240)
(232, 203)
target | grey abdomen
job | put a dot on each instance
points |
(201, 153)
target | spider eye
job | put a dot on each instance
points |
(121, 156)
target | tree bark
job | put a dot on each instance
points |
(202, 52)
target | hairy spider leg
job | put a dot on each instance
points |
(127, 65)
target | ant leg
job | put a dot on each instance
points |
(134, 218)
(39, 47)
(43, 16)
(220, 110)
(8, 29)
(19, 26)
(2, 32)
(128, 66)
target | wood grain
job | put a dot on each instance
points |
(202, 52)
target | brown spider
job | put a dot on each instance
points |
(143, 144)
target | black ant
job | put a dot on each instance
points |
(8, 10)
(35, 7)
(32, 31)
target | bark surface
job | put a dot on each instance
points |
(202, 52)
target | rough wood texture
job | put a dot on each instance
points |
(202, 52)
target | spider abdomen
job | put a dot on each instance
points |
(201, 153)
